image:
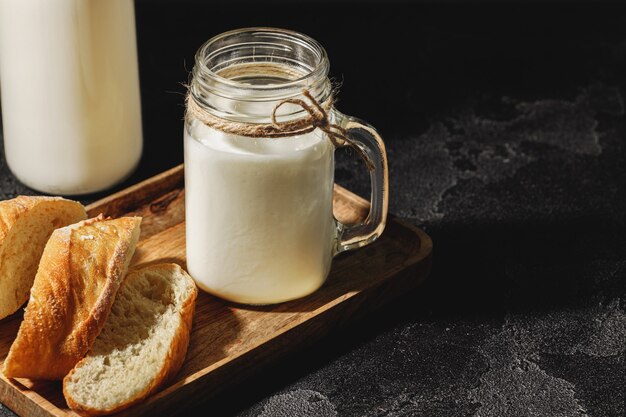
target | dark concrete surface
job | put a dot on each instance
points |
(506, 138)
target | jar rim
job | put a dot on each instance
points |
(207, 50)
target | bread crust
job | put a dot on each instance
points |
(11, 211)
(78, 277)
(170, 367)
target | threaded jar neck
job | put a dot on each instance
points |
(242, 74)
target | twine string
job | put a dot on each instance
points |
(317, 118)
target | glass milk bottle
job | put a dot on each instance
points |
(259, 193)
(70, 93)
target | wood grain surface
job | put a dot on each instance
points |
(229, 342)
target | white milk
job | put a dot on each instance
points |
(70, 93)
(259, 218)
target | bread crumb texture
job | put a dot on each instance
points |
(139, 345)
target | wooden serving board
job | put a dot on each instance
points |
(230, 342)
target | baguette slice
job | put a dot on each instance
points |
(142, 344)
(79, 274)
(26, 223)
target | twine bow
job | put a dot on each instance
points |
(317, 118)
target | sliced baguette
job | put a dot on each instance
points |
(79, 274)
(142, 344)
(26, 223)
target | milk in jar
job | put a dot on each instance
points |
(262, 235)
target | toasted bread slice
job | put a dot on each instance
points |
(142, 344)
(26, 223)
(79, 274)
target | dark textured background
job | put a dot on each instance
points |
(507, 143)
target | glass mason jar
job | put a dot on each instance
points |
(259, 210)
(70, 93)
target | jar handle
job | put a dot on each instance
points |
(367, 139)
